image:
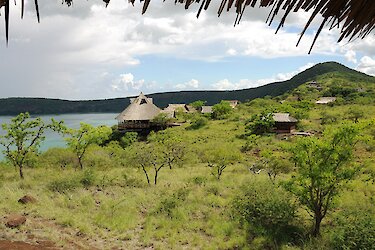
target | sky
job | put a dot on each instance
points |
(87, 51)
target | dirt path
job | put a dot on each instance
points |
(20, 245)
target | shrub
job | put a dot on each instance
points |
(199, 180)
(64, 185)
(168, 204)
(198, 123)
(355, 230)
(88, 178)
(267, 211)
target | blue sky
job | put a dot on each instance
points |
(91, 52)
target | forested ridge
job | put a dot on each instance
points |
(13, 106)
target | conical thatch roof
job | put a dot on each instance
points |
(355, 18)
(140, 109)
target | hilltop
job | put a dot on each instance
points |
(13, 106)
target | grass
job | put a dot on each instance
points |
(110, 205)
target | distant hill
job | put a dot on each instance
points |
(14, 106)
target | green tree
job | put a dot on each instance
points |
(148, 157)
(221, 110)
(80, 139)
(219, 158)
(198, 104)
(23, 138)
(128, 139)
(355, 113)
(172, 147)
(260, 124)
(323, 167)
(273, 164)
(161, 119)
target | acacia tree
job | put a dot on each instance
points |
(323, 168)
(173, 149)
(218, 159)
(148, 157)
(23, 138)
(80, 139)
(273, 164)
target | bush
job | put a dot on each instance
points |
(199, 180)
(267, 211)
(355, 230)
(64, 185)
(198, 123)
(169, 204)
(88, 178)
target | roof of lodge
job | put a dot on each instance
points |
(325, 100)
(283, 117)
(140, 109)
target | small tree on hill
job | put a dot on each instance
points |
(198, 104)
(218, 159)
(221, 110)
(323, 168)
(355, 113)
(148, 157)
(80, 139)
(172, 147)
(260, 124)
(23, 138)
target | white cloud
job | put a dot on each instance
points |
(367, 65)
(126, 82)
(351, 56)
(226, 84)
(86, 45)
(192, 84)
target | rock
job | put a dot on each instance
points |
(27, 199)
(15, 220)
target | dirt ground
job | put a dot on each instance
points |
(20, 245)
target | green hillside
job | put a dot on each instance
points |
(264, 197)
(12, 106)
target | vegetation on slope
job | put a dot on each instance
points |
(214, 184)
(14, 106)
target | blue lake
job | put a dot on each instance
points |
(72, 121)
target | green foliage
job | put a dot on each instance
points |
(169, 204)
(23, 138)
(148, 158)
(64, 185)
(161, 119)
(219, 158)
(128, 139)
(88, 178)
(355, 113)
(251, 142)
(267, 211)
(198, 104)
(80, 139)
(198, 123)
(260, 124)
(328, 117)
(171, 147)
(323, 167)
(221, 110)
(354, 230)
(273, 164)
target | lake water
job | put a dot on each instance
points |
(71, 120)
